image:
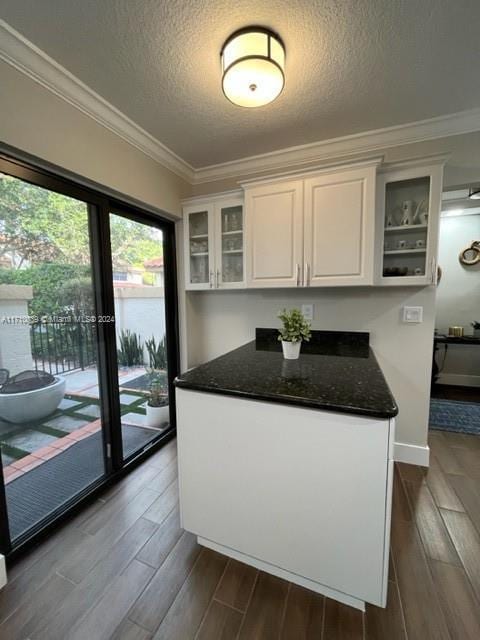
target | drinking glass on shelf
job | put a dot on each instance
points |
(237, 221)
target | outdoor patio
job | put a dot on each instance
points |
(27, 445)
(48, 462)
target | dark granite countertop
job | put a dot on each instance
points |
(336, 371)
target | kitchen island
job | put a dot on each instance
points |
(288, 465)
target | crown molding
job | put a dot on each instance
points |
(330, 167)
(214, 197)
(24, 56)
(345, 146)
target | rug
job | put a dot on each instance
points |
(453, 415)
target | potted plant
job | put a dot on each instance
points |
(158, 413)
(295, 329)
(476, 328)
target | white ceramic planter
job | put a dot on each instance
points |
(291, 350)
(29, 406)
(157, 416)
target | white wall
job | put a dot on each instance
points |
(458, 297)
(141, 311)
(225, 320)
(39, 123)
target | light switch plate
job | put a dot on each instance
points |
(413, 314)
(307, 310)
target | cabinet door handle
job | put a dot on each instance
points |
(307, 273)
(298, 274)
(217, 279)
(211, 279)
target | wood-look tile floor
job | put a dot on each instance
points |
(124, 570)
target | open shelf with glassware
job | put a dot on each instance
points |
(408, 213)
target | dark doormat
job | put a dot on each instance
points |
(453, 415)
(41, 491)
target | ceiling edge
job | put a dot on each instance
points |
(365, 142)
(27, 58)
(24, 56)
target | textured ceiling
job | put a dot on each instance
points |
(352, 65)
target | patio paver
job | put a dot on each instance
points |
(92, 410)
(66, 403)
(136, 419)
(66, 423)
(128, 398)
(29, 440)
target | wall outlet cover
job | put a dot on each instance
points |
(413, 314)
(307, 310)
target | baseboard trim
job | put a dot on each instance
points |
(3, 572)
(459, 379)
(344, 598)
(412, 454)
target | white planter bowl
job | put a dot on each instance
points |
(157, 416)
(28, 406)
(291, 350)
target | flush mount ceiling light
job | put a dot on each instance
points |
(253, 65)
(474, 193)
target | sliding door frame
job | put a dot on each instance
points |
(100, 206)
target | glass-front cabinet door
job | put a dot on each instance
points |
(230, 244)
(410, 206)
(199, 247)
(214, 243)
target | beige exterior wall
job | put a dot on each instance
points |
(15, 346)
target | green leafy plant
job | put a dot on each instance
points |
(295, 327)
(130, 352)
(157, 353)
(476, 325)
(158, 396)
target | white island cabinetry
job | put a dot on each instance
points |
(301, 493)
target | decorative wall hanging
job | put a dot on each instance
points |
(471, 255)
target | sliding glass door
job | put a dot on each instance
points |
(88, 344)
(51, 435)
(140, 322)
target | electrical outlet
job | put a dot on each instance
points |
(307, 310)
(413, 314)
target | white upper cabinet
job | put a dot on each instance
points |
(339, 228)
(408, 214)
(356, 225)
(214, 243)
(274, 234)
(318, 231)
